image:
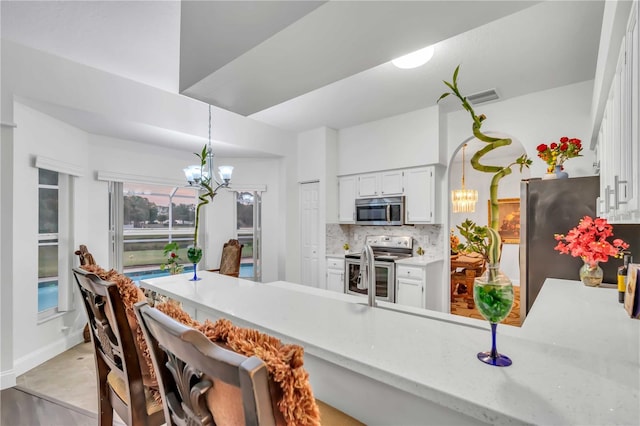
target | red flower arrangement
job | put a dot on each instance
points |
(588, 240)
(556, 153)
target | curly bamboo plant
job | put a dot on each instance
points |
(493, 247)
(194, 253)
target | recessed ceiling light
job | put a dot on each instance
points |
(414, 59)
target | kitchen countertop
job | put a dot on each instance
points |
(575, 359)
(418, 261)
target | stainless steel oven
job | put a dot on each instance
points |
(385, 279)
(380, 211)
(386, 250)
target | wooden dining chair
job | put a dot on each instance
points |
(118, 371)
(204, 383)
(189, 366)
(230, 259)
(86, 258)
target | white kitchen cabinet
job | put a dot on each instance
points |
(347, 199)
(410, 285)
(419, 284)
(420, 193)
(392, 183)
(617, 142)
(335, 274)
(368, 185)
(381, 184)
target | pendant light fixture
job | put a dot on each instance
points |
(202, 174)
(464, 200)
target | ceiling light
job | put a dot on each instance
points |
(202, 174)
(464, 200)
(414, 59)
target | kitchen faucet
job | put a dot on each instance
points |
(367, 277)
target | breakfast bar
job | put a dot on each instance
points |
(575, 359)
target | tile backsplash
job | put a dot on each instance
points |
(429, 237)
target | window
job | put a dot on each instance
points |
(152, 216)
(54, 242)
(48, 197)
(248, 230)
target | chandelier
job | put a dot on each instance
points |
(464, 200)
(202, 175)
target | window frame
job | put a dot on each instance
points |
(64, 241)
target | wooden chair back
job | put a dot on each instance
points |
(189, 366)
(230, 259)
(119, 375)
(86, 258)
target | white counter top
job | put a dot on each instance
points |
(575, 360)
(417, 261)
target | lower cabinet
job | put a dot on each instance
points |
(413, 289)
(410, 284)
(335, 274)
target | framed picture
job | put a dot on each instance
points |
(509, 219)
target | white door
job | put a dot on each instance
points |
(309, 233)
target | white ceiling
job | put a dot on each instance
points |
(302, 65)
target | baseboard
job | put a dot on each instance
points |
(34, 359)
(7, 379)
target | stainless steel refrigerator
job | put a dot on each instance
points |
(549, 207)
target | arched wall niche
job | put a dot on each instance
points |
(508, 188)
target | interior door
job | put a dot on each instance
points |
(309, 233)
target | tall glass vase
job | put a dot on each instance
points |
(493, 296)
(194, 254)
(591, 274)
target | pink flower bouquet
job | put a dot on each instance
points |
(588, 240)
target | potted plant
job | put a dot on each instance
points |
(493, 293)
(589, 241)
(493, 245)
(555, 154)
(172, 262)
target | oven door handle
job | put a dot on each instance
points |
(388, 212)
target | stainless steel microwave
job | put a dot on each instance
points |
(380, 211)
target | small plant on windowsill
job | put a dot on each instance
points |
(172, 264)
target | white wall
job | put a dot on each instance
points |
(220, 220)
(541, 117)
(405, 140)
(50, 82)
(40, 135)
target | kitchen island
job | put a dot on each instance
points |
(575, 359)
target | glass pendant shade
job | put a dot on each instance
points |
(464, 200)
(193, 174)
(225, 172)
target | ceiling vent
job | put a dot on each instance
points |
(482, 97)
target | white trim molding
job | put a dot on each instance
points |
(125, 177)
(247, 188)
(58, 166)
(5, 124)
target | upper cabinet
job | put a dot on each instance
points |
(617, 140)
(380, 184)
(420, 193)
(347, 199)
(418, 185)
